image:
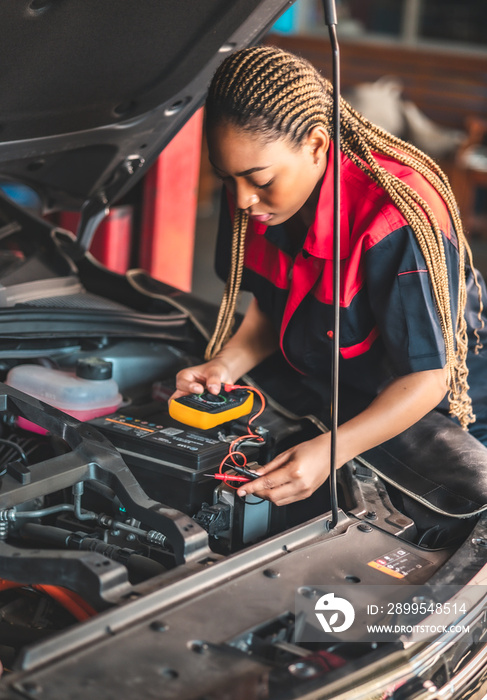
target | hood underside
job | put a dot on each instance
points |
(87, 86)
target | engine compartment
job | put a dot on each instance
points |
(96, 516)
(90, 510)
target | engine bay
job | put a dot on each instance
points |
(97, 514)
(106, 504)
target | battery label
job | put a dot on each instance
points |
(152, 431)
(398, 563)
(160, 441)
(122, 425)
(172, 431)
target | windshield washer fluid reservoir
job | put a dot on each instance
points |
(88, 393)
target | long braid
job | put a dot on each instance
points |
(424, 224)
(266, 90)
(426, 166)
(226, 313)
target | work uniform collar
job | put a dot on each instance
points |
(319, 241)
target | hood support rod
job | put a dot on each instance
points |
(331, 22)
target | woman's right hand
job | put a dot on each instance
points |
(254, 340)
(206, 377)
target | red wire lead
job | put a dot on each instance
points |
(230, 477)
(232, 452)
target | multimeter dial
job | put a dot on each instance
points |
(212, 399)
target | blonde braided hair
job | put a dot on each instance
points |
(226, 314)
(281, 96)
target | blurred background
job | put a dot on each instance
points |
(418, 68)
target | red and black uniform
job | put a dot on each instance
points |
(389, 325)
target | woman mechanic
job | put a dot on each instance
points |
(411, 310)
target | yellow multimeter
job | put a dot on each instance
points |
(208, 410)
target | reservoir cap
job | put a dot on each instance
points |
(94, 368)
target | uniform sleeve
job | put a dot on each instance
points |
(401, 297)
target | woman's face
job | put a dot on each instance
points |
(272, 180)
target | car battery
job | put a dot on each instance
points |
(170, 460)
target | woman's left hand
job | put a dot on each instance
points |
(294, 474)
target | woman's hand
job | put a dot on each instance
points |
(206, 377)
(294, 474)
(297, 473)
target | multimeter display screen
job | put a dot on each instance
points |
(211, 403)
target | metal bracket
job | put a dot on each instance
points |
(95, 209)
(93, 458)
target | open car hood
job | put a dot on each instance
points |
(91, 92)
